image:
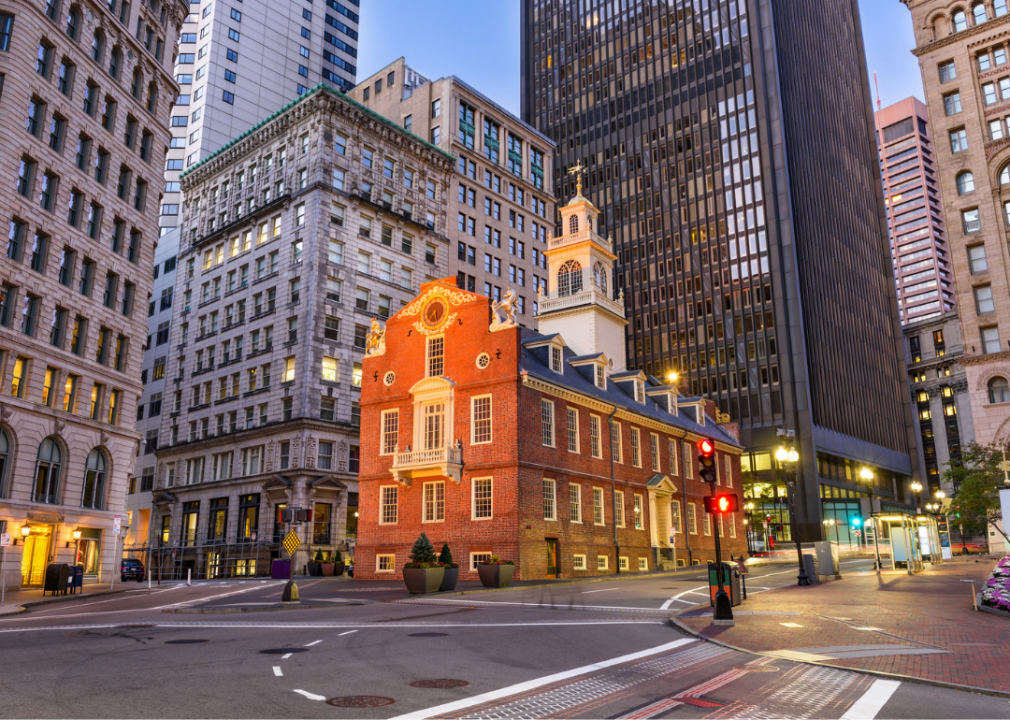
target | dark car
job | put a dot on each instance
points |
(131, 569)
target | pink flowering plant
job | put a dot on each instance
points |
(996, 591)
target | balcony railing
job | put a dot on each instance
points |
(581, 236)
(448, 460)
(582, 298)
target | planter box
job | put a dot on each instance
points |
(338, 569)
(327, 569)
(423, 580)
(449, 579)
(495, 575)
(315, 569)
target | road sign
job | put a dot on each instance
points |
(117, 524)
(857, 533)
(292, 543)
(5, 539)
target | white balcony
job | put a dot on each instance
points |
(441, 462)
(579, 237)
(586, 297)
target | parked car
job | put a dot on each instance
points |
(132, 569)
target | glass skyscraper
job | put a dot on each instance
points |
(730, 146)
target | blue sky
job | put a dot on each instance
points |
(479, 42)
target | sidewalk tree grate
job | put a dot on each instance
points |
(756, 668)
(439, 684)
(186, 642)
(429, 634)
(360, 701)
(283, 651)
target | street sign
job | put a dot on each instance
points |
(117, 524)
(857, 533)
(292, 543)
(5, 539)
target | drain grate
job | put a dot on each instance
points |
(185, 642)
(360, 701)
(427, 634)
(439, 684)
(756, 668)
(283, 651)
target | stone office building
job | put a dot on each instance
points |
(86, 95)
(296, 237)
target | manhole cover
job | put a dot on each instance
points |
(427, 635)
(283, 651)
(756, 668)
(184, 642)
(360, 701)
(440, 683)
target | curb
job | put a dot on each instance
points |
(579, 581)
(873, 673)
(23, 607)
(230, 611)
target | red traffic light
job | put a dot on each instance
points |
(706, 447)
(721, 504)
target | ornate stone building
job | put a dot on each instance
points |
(296, 237)
(962, 49)
(86, 90)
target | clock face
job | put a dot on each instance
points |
(434, 313)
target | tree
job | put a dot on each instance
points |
(978, 479)
(422, 552)
(445, 557)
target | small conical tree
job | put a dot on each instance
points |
(445, 557)
(319, 556)
(422, 552)
(338, 557)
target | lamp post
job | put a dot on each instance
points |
(750, 544)
(833, 524)
(866, 475)
(789, 455)
(77, 540)
(917, 489)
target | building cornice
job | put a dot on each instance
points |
(962, 35)
(985, 359)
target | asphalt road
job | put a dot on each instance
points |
(592, 650)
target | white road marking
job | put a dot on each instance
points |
(278, 672)
(587, 592)
(314, 642)
(347, 633)
(873, 700)
(677, 598)
(322, 625)
(310, 696)
(539, 682)
(791, 625)
(214, 597)
(286, 656)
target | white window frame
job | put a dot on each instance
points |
(473, 498)
(378, 563)
(692, 519)
(473, 420)
(654, 448)
(706, 524)
(732, 525)
(575, 491)
(395, 493)
(546, 422)
(602, 562)
(598, 493)
(477, 556)
(619, 507)
(550, 496)
(573, 430)
(622, 562)
(688, 463)
(616, 448)
(643, 565)
(636, 447)
(595, 436)
(729, 469)
(639, 511)
(428, 356)
(432, 503)
(677, 517)
(579, 563)
(674, 465)
(383, 432)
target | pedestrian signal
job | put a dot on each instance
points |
(720, 504)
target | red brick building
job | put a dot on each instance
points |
(540, 448)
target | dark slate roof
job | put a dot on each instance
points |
(579, 358)
(575, 381)
(655, 480)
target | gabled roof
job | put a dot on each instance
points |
(613, 394)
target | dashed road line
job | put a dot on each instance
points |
(333, 625)
(314, 642)
(462, 602)
(590, 592)
(347, 633)
(310, 696)
(278, 672)
(285, 656)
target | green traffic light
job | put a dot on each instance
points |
(856, 521)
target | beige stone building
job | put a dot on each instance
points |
(962, 49)
(86, 91)
(297, 238)
(501, 204)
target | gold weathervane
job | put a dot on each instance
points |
(576, 170)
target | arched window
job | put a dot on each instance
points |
(5, 460)
(1004, 176)
(965, 183)
(999, 7)
(47, 473)
(73, 23)
(152, 97)
(960, 21)
(569, 279)
(979, 13)
(97, 46)
(573, 224)
(600, 277)
(136, 83)
(115, 60)
(112, 6)
(94, 481)
(999, 390)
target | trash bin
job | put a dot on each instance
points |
(730, 582)
(280, 570)
(77, 579)
(57, 575)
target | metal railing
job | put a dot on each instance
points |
(418, 458)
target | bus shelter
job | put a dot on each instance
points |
(909, 540)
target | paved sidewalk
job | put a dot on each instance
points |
(14, 600)
(922, 626)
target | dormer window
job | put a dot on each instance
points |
(601, 377)
(640, 392)
(436, 356)
(556, 359)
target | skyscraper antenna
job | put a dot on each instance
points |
(876, 85)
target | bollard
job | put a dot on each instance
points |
(189, 576)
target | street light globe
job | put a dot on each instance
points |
(781, 454)
(672, 378)
(916, 486)
(865, 474)
(749, 506)
(77, 534)
(941, 494)
(793, 455)
(25, 530)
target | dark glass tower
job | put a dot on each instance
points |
(730, 145)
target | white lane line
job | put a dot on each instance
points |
(310, 696)
(588, 592)
(677, 598)
(539, 682)
(347, 633)
(322, 625)
(314, 642)
(873, 700)
(285, 656)
(214, 597)
(278, 672)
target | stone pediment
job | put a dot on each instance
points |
(162, 497)
(276, 482)
(327, 482)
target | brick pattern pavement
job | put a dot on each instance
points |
(932, 609)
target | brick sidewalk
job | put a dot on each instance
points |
(860, 621)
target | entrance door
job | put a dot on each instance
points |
(552, 557)
(33, 560)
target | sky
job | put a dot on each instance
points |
(479, 43)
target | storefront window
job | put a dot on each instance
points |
(321, 524)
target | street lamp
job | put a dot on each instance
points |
(77, 539)
(866, 475)
(832, 523)
(917, 489)
(789, 455)
(672, 378)
(26, 530)
(749, 507)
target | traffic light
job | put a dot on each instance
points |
(856, 522)
(720, 504)
(706, 460)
